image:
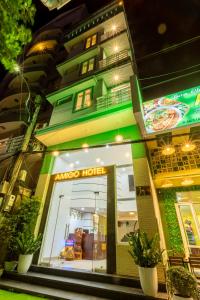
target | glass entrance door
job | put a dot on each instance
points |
(190, 225)
(75, 236)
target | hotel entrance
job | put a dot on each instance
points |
(89, 210)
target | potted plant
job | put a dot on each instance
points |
(146, 254)
(26, 245)
(181, 284)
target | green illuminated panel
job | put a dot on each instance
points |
(172, 111)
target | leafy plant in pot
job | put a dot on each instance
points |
(146, 254)
(181, 284)
(26, 245)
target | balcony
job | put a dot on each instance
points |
(11, 145)
(115, 98)
(113, 59)
(110, 34)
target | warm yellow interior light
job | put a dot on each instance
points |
(188, 147)
(55, 153)
(119, 138)
(168, 150)
(187, 181)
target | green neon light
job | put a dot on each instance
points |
(172, 111)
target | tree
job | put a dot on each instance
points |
(15, 17)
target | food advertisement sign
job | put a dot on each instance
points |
(172, 111)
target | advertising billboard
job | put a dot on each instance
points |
(172, 111)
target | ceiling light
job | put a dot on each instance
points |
(187, 181)
(167, 184)
(71, 165)
(55, 153)
(120, 2)
(116, 77)
(102, 163)
(116, 48)
(107, 146)
(77, 162)
(98, 160)
(188, 147)
(131, 213)
(124, 169)
(114, 27)
(85, 145)
(82, 208)
(168, 150)
(119, 138)
(67, 154)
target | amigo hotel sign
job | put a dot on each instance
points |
(99, 171)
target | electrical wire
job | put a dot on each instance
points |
(170, 73)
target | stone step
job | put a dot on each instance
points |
(41, 291)
(82, 286)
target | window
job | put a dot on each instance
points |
(91, 41)
(83, 99)
(87, 66)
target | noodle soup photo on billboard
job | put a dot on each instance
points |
(172, 111)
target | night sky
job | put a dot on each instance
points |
(181, 19)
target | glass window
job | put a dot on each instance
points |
(79, 101)
(91, 41)
(87, 66)
(84, 67)
(84, 99)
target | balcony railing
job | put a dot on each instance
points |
(111, 33)
(13, 145)
(114, 98)
(113, 59)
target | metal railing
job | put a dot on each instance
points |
(113, 59)
(111, 33)
(114, 98)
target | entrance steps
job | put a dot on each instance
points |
(72, 285)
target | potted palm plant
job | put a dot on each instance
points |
(181, 284)
(26, 245)
(146, 254)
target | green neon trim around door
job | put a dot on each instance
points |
(97, 114)
(129, 133)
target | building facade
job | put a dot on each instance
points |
(95, 183)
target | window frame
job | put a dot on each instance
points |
(87, 61)
(82, 106)
(90, 37)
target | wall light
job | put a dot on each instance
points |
(114, 27)
(168, 150)
(189, 146)
(119, 138)
(166, 184)
(187, 181)
(55, 153)
(116, 77)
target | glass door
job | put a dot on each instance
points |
(189, 219)
(75, 236)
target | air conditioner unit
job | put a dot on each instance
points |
(9, 202)
(4, 187)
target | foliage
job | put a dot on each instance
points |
(181, 282)
(15, 16)
(27, 243)
(145, 252)
(23, 219)
(167, 198)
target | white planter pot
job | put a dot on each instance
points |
(24, 263)
(175, 297)
(149, 281)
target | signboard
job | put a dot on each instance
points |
(99, 171)
(172, 111)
